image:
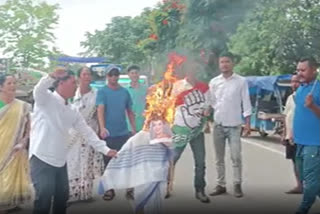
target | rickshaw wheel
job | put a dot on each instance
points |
(263, 134)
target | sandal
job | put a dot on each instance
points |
(109, 195)
(130, 194)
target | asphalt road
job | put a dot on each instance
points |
(266, 172)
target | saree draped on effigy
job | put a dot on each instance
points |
(142, 166)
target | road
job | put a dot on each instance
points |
(267, 175)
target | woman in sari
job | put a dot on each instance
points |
(15, 183)
(84, 164)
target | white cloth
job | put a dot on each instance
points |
(289, 112)
(142, 166)
(51, 121)
(230, 100)
(189, 113)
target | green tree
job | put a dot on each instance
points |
(199, 26)
(207, 26)
(276, 34)
(119, 40)
(26, 30)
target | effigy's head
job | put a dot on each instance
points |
(160, 102)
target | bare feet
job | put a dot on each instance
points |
(296, 190)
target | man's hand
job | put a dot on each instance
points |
(112, 153)
(207, 112)
(58, 73)
(309, 101)
(246, 130)
(284, 141)
(104, 133)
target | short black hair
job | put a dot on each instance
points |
(227, 54)
(312, 62)
(133, 67)
(64, 78)
(3, 78)
(81, 69)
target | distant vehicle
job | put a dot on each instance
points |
(268, 96)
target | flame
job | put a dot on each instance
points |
(160, 101)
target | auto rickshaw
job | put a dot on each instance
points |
(268, 95)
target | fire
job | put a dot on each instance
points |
(160, 100)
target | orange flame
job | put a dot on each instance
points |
(160, 100)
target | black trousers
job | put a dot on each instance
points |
(115, 143)
(291, 151)
(49, 183)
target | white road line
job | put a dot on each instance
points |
(263, 147)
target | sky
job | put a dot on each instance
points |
(76, 17)
(80, 16)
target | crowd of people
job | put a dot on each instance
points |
(75, 134)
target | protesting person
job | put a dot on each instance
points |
(51, 122)
(138, 93)
(291, 147)
(14, 168)
(192, 103)
(84, 164)
(114, 106)
(231, 103)
(306, 126)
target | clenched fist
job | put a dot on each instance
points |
(104, 133)
(309, 101)
(58, 73)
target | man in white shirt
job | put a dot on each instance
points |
(50, 124)
(231, 103)
(287, 140)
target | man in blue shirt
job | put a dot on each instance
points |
(306, 131)
(114, 104)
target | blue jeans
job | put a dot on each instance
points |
(308, 165)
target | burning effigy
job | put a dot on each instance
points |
(143, 162)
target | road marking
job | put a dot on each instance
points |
(263, 147)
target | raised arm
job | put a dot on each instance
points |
(41, 92)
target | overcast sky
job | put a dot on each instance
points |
(79, 16)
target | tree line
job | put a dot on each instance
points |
(268, 36)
